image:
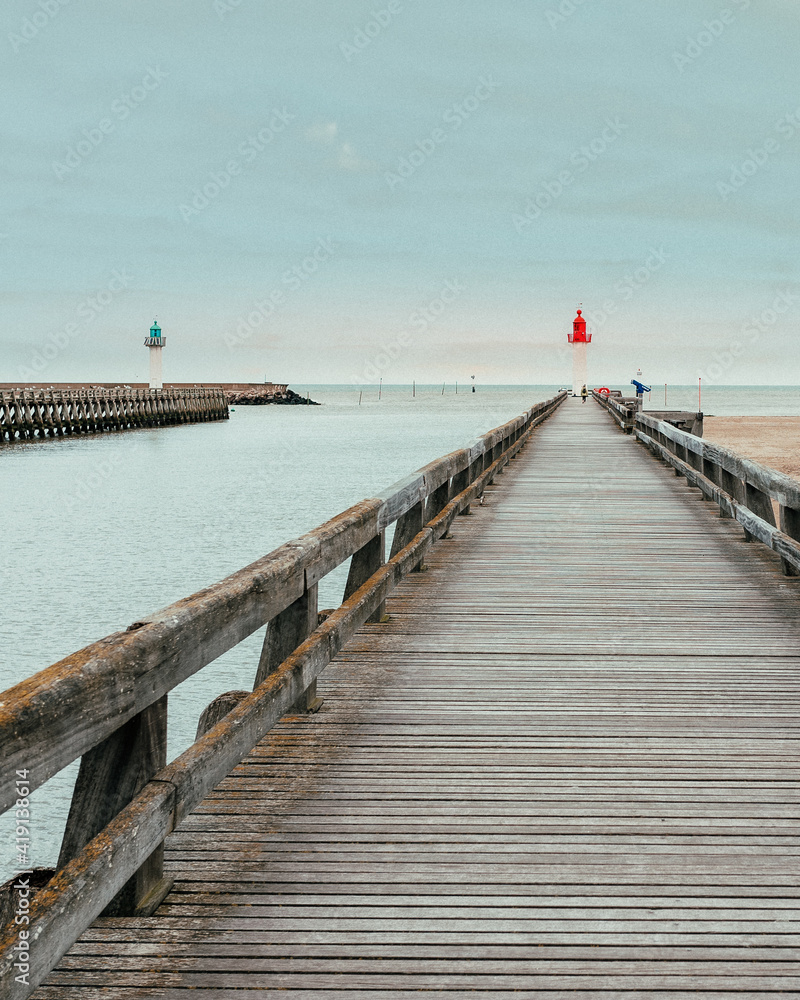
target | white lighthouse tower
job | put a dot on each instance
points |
(579, 338)
(155, 342)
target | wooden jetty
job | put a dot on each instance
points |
(565, 766)
(39, 413)
(237, 393)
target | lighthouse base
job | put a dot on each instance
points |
(578, 367)
(155, 368)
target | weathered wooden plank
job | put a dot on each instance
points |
(465, 965)
(443, 981)
(294, 915)
(253, 934)
(708, 898)
(399, 992)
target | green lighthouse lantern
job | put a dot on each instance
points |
(155, 331)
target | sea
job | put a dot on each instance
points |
(104, 529)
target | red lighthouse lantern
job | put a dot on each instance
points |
(579, 334)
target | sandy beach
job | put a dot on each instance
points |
(773, 441)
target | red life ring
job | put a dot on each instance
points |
(606, 391)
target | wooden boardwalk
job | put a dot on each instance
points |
(565, 768)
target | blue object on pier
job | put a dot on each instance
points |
(641, 388)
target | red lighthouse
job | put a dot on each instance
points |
(579, 338)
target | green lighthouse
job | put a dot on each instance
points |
(155, 342)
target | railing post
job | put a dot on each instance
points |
(481, 465)
(681, 452)
(437, 501)
(110, 776)
(790, 525)
(664, 441)
(285, 632)
(364, 563)
(489, 457)
(461, 481)
(502, 447)
(630, 419)
(732, 485)
(710, 470)
(759, 503)
(693, 459)
(713, 473)
(677, 451)
(408, 527)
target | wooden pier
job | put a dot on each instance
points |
(49, 413)
(565, 766)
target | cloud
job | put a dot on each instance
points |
(347, 157)
(324, 133)
(350, 160)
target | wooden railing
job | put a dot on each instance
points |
(622, 410)
(107, 703)
(744, 490)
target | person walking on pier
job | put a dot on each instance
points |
(584, 394)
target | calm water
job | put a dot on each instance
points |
(102, 530)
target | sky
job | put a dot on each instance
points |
(337, 191)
